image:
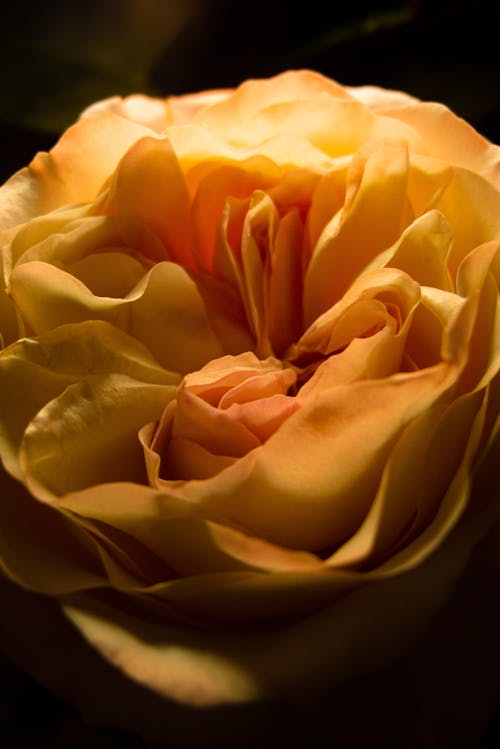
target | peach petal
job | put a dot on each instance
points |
(422, 251)
(73, 172)
(145, 110)
(358, 423)
(363, 307)
(213, 191)
(263, 417)
(284, 313)
(450, 138)
(149, 190)
(428, 179)
(434, 445)
(200, 422)
(480, 223)
(186, 459)
(376, 198)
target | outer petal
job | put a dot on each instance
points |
(449, 137)
(73, 172)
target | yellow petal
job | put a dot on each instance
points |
(88, 435)
(164, 312)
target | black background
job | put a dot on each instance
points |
(58, 57)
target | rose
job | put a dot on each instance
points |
(251, 369)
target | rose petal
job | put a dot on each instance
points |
(73, 172)
(42, 548)
(94, 423)
(164, 312)
(376, 198)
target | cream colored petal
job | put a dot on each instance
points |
(377, 98)
(61, 238)
(182, 109)
(145, 110)
(254, 95)
(450, 138)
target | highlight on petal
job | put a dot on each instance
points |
(145, 110)
(249, 378)
(450, 138)
(164, 311)
(72, 172)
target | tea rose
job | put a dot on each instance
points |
(249, 375)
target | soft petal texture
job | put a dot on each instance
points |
(249, 378)
(73, 172)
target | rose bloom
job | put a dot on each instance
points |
(249, 375)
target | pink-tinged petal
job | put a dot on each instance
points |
(149, 190)
(74, 171)
(358, 424)
(371, 221)
(450, 138)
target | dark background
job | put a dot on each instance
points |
(58, 57)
